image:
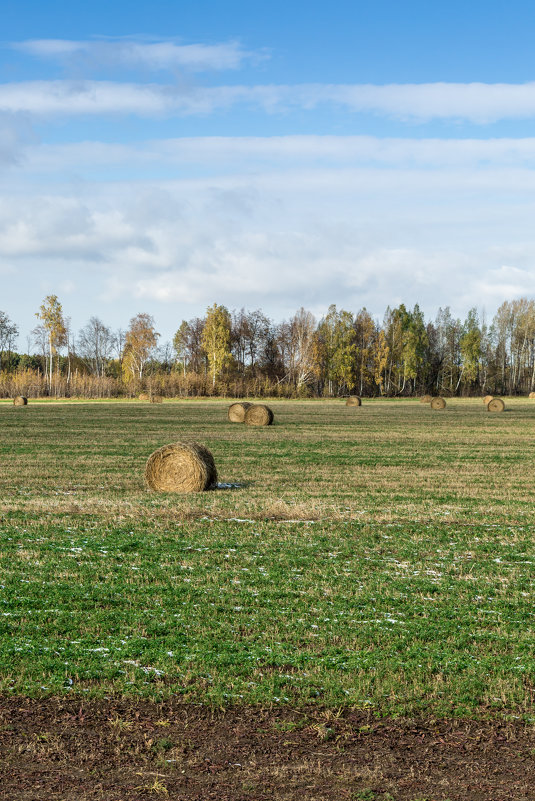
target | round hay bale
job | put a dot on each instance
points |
(236, 411)
(531, 395)
(258, 414)
(143, 396)
(487, 399)
(353, 400)
(438, 403)
(20, 400)
(156, 399)
(181, 467)
(495, 405)
(426, 399)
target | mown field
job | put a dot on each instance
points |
(380, 558)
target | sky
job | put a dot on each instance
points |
(161, 157)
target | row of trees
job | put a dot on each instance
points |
(244, 352)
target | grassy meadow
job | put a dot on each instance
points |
(381, 557)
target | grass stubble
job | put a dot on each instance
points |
(383, 561)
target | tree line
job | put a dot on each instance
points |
(245, 353)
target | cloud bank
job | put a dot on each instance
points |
(170, 225)
(275, 238)
(242, 154)
(476, 103)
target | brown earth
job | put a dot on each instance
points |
(124, 750)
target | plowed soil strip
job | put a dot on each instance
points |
(121, 750)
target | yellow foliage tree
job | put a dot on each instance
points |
(51, 315)
(216, 339)
(140, 341)
(380, 360)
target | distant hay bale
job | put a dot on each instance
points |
(156, 399)
(236, 411)
(487, 399)
(426, 399)
(181, 467)
(20, 400)
(353, 400)
(143, 396)
(531, 395)
(438, 403)
(258, 414)
(495, 405)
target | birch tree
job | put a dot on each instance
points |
(302, 347)
(8, 334)
(216, 340)
(365, 344)
(180, 345)
(51, 315)
(326, 346)
(141, 340)
(470, 347)
(380, 361)
(95, 345)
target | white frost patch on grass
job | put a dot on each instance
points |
(144, 668)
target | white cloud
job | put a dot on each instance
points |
(344, 149)
(262, 154)
(152, 55)
(506, 282)
(370, 237)
(65, 228)
(16, 136)
(85, 97)
(477, 103)
(355, 221)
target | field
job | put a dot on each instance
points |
(359, 573)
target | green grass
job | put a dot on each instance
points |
(383, 557)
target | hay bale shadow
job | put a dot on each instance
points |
(226, 486)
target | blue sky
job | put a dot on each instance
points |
(161, 157)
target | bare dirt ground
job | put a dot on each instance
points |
(123, 750)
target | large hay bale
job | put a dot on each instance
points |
(181, 467)
(143, 396)
(495, 405)
(531, 395)
(236, 411)
(353, 400)
(426, 399)
(258, 414)
(487, 399)
(438, 403)
(156, 399)
(20, 400)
